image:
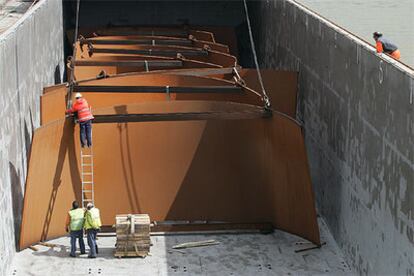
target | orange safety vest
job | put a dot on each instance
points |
(84, 111)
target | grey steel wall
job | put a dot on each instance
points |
(31, 57)
(98, 13)
(358, 116)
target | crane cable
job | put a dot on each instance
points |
(259, 75)
(72, 75)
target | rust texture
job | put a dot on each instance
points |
(239, 167)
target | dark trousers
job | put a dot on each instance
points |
(73, 236)
(93, 247)
(86, 133)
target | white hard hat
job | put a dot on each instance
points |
(90, 205)
(78, 95)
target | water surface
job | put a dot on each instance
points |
(394, 18)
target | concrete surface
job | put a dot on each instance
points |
(358, 115)
(11, 11)
(31, 57)
(237, 254)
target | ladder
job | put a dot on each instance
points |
(88, 195)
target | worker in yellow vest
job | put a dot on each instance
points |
(92, 226)
(74, 225)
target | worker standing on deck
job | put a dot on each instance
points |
(84, 117)
(386, 46)
(74, 225)
(92, 226)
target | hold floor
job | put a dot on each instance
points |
(237, 254)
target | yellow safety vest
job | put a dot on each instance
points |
(76, 219)
(92, 219)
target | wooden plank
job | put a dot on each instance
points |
(264, 227)
(195, 244)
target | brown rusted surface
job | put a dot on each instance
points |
(156, 40)
(53, 107)
(208, 151)
(253, 170)
(89, 71)
(179, 32)
(223, 35)
(212, 57)
(281, 87)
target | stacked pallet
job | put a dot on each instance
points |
(132, 235)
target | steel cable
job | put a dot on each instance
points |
(72, 75)
(259, 75)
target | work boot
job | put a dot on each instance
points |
(72, 255)
(83, 253)
(91, 257)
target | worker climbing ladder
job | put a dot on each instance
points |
(88, 195)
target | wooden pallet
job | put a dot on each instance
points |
(132, 235)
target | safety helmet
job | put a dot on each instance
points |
(78, 95)
(377, 34)
(89, 205)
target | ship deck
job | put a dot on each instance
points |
(237, 254)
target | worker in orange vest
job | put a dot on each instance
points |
(84, 117)
(386, 46)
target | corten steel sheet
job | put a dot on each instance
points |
(168, 51)
(53, 104)
(155, 40)
(179, 111)
(83, 71)
(281, 87)
(212, 57)
(54, 160)
(175, 32)
(178, 32)
(224, 35)
(253, 170)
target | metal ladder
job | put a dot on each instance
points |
(88, 195)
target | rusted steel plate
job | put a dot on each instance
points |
(253, 170)
(281, 87)
(156, 89)
(154, 40)
(131, 63)
(212, 57)
(138, 41)
(144, 31)
(149, 52)
(84, 71)
(172, 154)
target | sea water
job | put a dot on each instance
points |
(393, 18)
